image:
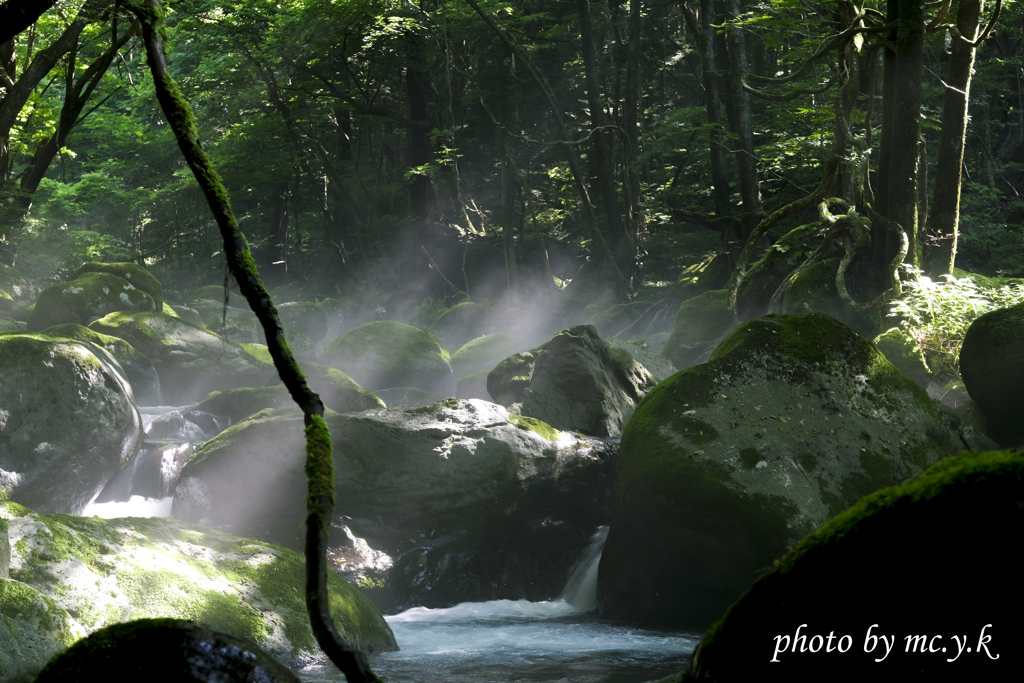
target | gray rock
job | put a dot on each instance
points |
(408, 397)
(724, 465)
(33, 628)
(304, 316)
(67, 421)
(575, 381)
(511, 497)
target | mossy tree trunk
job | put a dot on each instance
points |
(319, 450)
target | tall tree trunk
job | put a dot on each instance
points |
(746, 162)
(629, 249)
(945, 208)
(701, 26)
(602, 163)
(905, 125)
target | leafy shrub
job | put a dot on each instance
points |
(937, 315)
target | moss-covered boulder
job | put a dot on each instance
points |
(212, 293)
(190, 361)
(22, 310)
(239, 328)
(87, 297)
(407, 477)
(701, 323)
(903, 352)
(5, 551)
(483, 353)
(11, 325)
(67, 421)
(132, 272)
(137, 368)
(165, 649)
(460, 323)
(336, 390)
(386, 354)
(871, 570)
(13, 287)
(304, 316)
(185, 313)
(574, 381)
(33, 628)
(992, 367)
(647, 355)
(106, 571)
(725, 465)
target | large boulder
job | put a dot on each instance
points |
(106, 571)
(460, 323)
(87, 297)
(574, 381)
(455, 473)
(33, 628)
(67, 421)
(871, 571)
(336, 390)
(132, 272)
(725, 465)
(165, 649)
(483, 353)
(903, 351)
(992, 366)
(137, 368)
(386, 354)
(304, 316)
(701, 322)
(190, 361)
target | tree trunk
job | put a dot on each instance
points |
(746, 161)
(602, 163)
(945, 208)
(629, 249)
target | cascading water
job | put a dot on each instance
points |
(143, 488)
(581, 589)
(504, 641)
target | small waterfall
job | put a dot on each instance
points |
(581, 589)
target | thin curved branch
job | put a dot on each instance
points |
(319, 450)
(939, 17)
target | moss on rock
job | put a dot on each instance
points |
(904, 353)
(724, 465)
(103, 571)
(842, 579)
(89, 296)
(992, 367)
(700, 323)
(386, 354)
(132, 272)
(483, 353)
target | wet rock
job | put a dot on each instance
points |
(903, 352)
(67, 421)
(575, 381)
(724, 465)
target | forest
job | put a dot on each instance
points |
(679, 244)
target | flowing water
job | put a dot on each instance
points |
(511, 641)
(502, 641)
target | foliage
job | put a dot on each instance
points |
(937, 314)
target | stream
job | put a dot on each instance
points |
(501, 641)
